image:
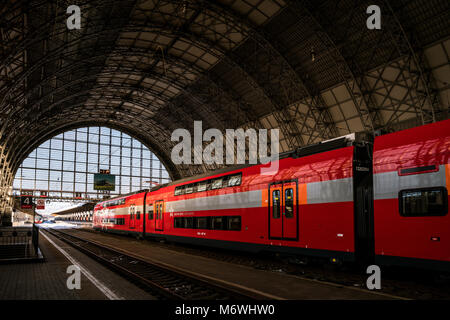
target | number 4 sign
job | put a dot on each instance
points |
(26, 202)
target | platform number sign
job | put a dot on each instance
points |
(26, 202)
(40, 204)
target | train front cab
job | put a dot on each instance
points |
(411, 183)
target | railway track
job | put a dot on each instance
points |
(162, 281)
(408, 283)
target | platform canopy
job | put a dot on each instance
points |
(89, 206)
(311, 68)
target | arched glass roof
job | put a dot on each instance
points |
(64, 166)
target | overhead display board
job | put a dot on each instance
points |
(105, 182)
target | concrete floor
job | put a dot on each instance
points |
(47, 280)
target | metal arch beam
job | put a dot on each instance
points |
(111, 85)
(197, 40)
(272, 45)
(172, 61)
(153, 147)
(279, 112)
(194, 40)
(64, 123)
(17, 143)
(33, 40)
(178, 62)
(138, 122)
(205, 48)
(406, 47)
(41, 33)
(369, 121)
(68, 98)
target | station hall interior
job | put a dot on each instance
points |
(91, 93)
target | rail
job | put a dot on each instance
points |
(161, 280)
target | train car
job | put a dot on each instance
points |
(351, 199)
(306, 207)
(411, 183)
(121, 215)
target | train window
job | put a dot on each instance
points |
(189, 223)
(120, 221)
(138, 215)
(202, 186)
(218, 223)
(234, 180)
(234, 223)
(289, 203)
(150, 213)
(178, 223)
(158, 212)
(202, 223)
(423, 202)
(189, 189)
(276, 204)
(179, 191)
(216, 183)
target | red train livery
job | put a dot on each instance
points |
(355, 199)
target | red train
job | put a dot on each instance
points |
(382, 200)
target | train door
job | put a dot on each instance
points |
(132, 222)
(275, 210)
(283, 210)
(159, 217)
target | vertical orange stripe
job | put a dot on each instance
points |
(447, 176)
(265, 201)
(302, 194)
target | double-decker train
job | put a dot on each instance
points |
(356, 198)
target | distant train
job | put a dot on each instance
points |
(382, 200)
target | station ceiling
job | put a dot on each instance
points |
(310, 68)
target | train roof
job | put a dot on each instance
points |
(124, 195)
(324, 146)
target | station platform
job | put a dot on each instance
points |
(47, 280)
(275, 285)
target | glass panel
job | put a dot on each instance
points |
(218, 223)
(65, 162)
(423, 202)
(189, 222)
(216, 183)
(202, 223)
(234, 223)
(189, 188)
(289, 202)
(202, 186)
(234, 180)
(179, 191)
(276, 210)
